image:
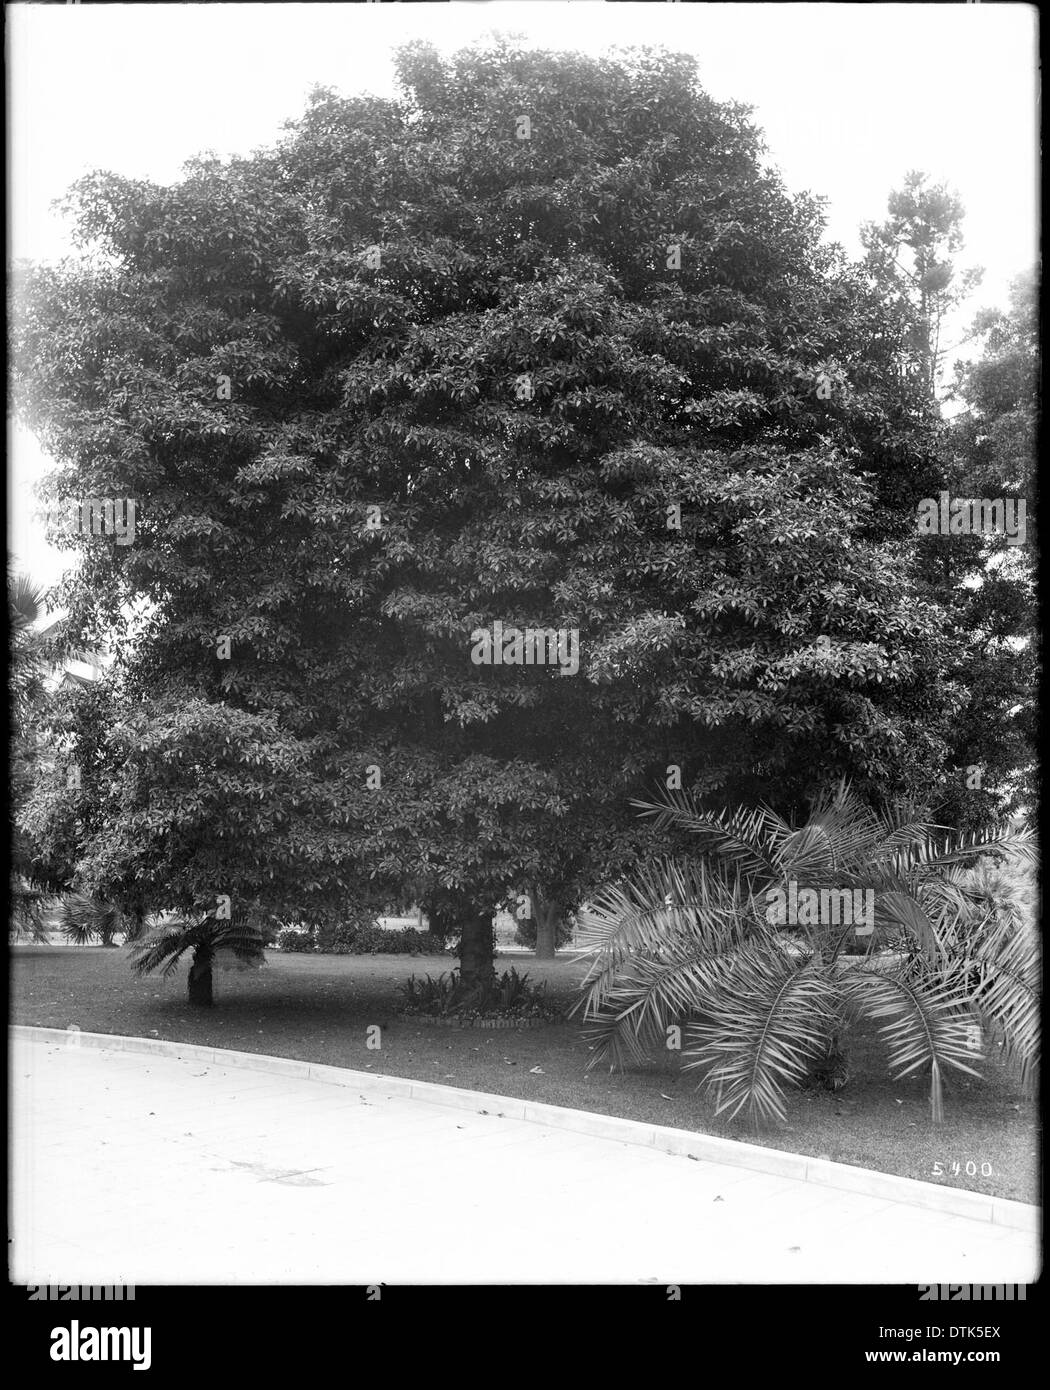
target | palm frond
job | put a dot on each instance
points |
(653, 993)
(939, 851)
(665, 908)
(840, 834)
(771, 1018)
(83, 919)
(164, 946)
(1007, 960)
(897, 834)
(923, 1017)
(243, 940)
(25, 600)
(741, 837)
(901, 912)
(30, 903)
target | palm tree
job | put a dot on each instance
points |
(36, 652)
(30, 903)
(165, 945)
(83, 918)
(697, 943)
(30, 895)
(25, 607)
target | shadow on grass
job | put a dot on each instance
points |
(320, 1008)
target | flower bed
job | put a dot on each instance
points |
(507, 1002)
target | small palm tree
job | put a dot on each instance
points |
(33, 654)
(30, 904)
(30, 896)
(164, 946)
(693, 943)
(83, 918)
(25, 607)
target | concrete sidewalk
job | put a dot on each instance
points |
(150, 1169)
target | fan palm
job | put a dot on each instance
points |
(30, 896)
(83, 919)
(25, 607)
(33, 653)
(30, 902)
(693, 944)
(209, 938)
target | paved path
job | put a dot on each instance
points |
(148, 1169)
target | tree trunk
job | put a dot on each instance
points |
(546, 915)
(438, 921)
(200, 978)
(476, 957)
(831, 1071)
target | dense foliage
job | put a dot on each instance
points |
(543, 341)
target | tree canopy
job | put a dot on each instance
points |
(542, 341)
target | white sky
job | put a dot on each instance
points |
(850, 97)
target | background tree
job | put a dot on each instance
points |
(909, 258)
(984, 584)
(989, 582)
(542, 340)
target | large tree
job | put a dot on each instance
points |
(984, 447)
(542, 341)
(988, 579)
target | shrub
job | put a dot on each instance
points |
(509, 996)
(525, 933)
(359, 938)
(338, 937)
(382, 941)
(428, 996)
(293, 939)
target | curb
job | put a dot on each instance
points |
(952, 1201)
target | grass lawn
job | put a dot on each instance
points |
(317, 1008)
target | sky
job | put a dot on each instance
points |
(850, 97)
